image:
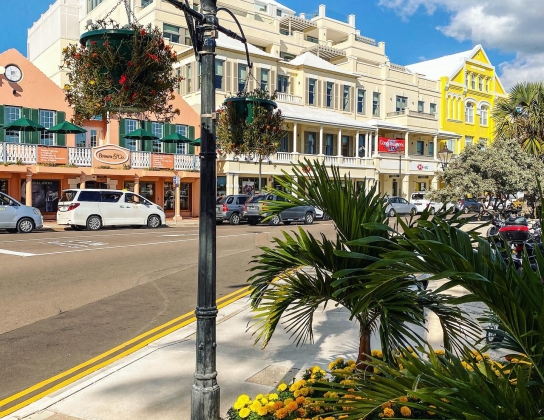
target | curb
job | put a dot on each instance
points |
(51, 227)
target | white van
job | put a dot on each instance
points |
(420, 200)
(94, 208)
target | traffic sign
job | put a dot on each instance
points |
(176, 181)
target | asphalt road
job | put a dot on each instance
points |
(66, 297)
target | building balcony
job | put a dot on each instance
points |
(285, 97)
(32, 154)
(289, 158)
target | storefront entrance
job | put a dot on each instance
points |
(4, 186)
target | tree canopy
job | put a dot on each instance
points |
(497, 170)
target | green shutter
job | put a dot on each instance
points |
(34, 136)
(169, 129)
(122, 126)
(147, 145)
(2, 122)
(191, 150)
(61, 138)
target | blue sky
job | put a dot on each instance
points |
(511, 31)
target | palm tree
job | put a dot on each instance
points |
(461, 386)
(302, 272)
(521, 116)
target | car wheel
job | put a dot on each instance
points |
(286, 223)
(153, 221)
(275, 221)
(94, 223)
(413, 212)
(75, 227)
(391, 213)
(234, 219)
(466, 210)
(25, 225)
(308, 218)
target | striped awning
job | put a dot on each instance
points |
(326, 53)
(296, 24)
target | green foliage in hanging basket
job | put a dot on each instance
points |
(248, 124)
(121, 71)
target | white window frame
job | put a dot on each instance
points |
(157, 129)
(12, 113)
(131, 144)
(47, 118)
(469, 112)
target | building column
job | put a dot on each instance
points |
(435, 147)
(321, 140)
(177, 200)
(406, 145)
(136, 184)
(236, 183)
(295, 134)
(82, 180)
(339, 145)
(28, 188)
(356, 144)
(377, 141)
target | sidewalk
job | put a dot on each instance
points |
(156, 381)
(51, 225)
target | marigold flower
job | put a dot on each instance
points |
(405, 411)
(300, 400)
(292, 406)
(278, 405)
(281, 413)
(273, 397)
(301, 412)
(244, 412)
(255, 405)
(440, 352)
(262, 411)
(388, 412)
(282, 386)
(387, 404)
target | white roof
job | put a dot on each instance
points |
(311, 60)
(448, 65)
(320, 116)
(278, 5)
(224, 41)
(385, 124)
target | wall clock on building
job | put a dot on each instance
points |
(13, 73)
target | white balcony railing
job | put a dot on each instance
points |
(80, 156)
(333, 160)
(186, 163)
(285, 97)
(284, 157)
(21, 153)
(350, 161)
(140, 160)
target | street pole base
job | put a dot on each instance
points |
(205, 403)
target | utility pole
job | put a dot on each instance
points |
(400, 173)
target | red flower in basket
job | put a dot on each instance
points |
(143, 32)
(123, 79)
(129, 63)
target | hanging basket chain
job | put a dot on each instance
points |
(129, 11)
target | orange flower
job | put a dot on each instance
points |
(388, 412)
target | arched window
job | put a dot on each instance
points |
(484, 114)
(469, 113)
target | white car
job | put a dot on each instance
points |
(16, 217)
(420, 200)
(320, 215)
(94, 208)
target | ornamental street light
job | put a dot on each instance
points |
(205, 393)
(400, 153)
(445, 156)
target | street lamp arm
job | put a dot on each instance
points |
(234, 35)
(191, 14)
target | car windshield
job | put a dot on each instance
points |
(220, 200)
(256, 199)
(418, 196)
(68, 195)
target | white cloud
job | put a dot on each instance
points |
(511, 26)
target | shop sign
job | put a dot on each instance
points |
(110, 155)
(422, 166)
(386, 145)
(162, 161)
(53, 155)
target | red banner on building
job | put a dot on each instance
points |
(390, 145)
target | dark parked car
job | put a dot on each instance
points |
(467, 205)
(255, 211)
(230, 208)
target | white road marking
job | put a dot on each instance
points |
(19, 254)
(75, 244)
(24, 254)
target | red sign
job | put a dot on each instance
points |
(390, 145)
(162, 161)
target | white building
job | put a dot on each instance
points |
(345, 103)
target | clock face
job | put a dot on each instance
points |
(13, 73)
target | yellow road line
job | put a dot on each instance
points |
(226, 300)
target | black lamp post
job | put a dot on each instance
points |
(400, 153)
(205, 394)
(445, 156)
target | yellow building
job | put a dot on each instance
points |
(469, 87)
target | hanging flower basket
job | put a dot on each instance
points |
(250, 124)
(120, 71)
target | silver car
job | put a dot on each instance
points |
(16, 217)
(398, 205)
(230, 208)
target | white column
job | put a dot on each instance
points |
(28, 188)
(339, 142)
(406, 145)
(435, 143)
(320, 140)
(367, 145)
(376, 143)
(236, 183)
(136, 184)
(295, 137)
(357, 153)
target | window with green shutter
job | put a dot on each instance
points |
(61, 138)
(122, 132)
